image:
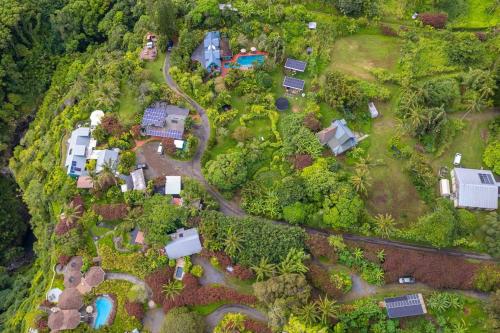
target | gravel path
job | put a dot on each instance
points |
(213, 319)
(210, 274)
(130, 278)
(153, 320)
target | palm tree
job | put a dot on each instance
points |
(233, 242)
(385, 225)
(473, 103)
(172, 289)
(309, 313)
(358, 253)
(381, 255)
(107, 175)
(232, 322)
(361, 180)
(70, 213)
(337, 242)
(327, 309)
(294, 262)
(264, 269)
(107, 95)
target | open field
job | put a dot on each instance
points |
(478, 15)
(357, 55)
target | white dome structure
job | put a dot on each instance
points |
(53, 295)
(96, 117)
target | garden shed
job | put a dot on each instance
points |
(405, 306)
(293, 85)
(184, 243)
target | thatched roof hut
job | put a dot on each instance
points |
(64, 320)
(70, 299)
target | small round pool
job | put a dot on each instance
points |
(104, 306)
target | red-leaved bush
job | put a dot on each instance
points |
(224, 259)
(301, 161)
(192, 293)
(387, 30)
(136, 132)
(64, 225)
(135, 309)
(434, 269)
(42, 324)
(482, 36)
(111, 125)
(63, 260)
(436, 20)
(111, 212)
(320, 279)
(318, 246)
(242, 273)
(256, 326)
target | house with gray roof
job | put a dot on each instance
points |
(164, 120)
(474, 188)
(138, 180)
(184, 243)
(76, 156)
(212, 51)
(103, 157)
(338, 137)
(405, 306)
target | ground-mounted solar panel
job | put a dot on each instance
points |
(293, 83)
(295, 65)
(405, 306)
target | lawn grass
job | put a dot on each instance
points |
(478, 16)
(156, 68)
(129, 107)
(357, 55)
(474, 134)
(391, 191)
(205, 310)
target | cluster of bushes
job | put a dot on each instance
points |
(190, 292)
(434, 269)
(249, 239)
(320, 279)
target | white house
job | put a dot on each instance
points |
(173, 185)
(474, 188)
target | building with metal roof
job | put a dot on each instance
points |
(474, 188)
(77, 151)
(165, 121)
(184, 243)
(104, 157)
(295, 65)
(293, 85)
(173, 185)
(405, 306)
(138, 180)
(338, 137)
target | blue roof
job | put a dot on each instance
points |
(211, 45)
(338, 137)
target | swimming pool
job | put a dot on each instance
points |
(104, 306)
(246, 61)
(179, 273)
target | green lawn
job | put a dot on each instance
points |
(474, 135)
(205, 310)
(129, 107)
(357, 55)
(156, 68)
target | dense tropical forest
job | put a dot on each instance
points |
(294, 237)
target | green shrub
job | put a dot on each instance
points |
(214, 262)
(197, 271)
(341, 280)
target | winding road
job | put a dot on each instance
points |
(232, 208)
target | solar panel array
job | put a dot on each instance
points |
(154, 116)
(486, 179)
(293, 83)
(404, 306)
(295, 65)
(163, 133)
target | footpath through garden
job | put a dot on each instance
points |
(232, 207)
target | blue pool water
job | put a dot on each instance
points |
(246, 61)
(178, 272)
(103, 305)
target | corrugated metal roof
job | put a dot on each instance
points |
(138, 180)
(186, 243)
(172, 184)
(473, 193)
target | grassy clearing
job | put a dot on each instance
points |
(156, 68)
(357, 55)
(129, 107)
(205, 310)
(478, 15)
(474, 134)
